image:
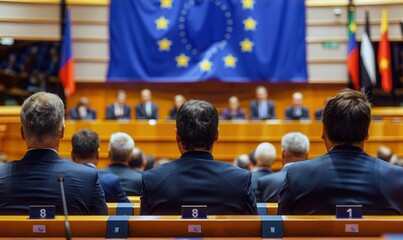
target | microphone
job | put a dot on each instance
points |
(66, 220)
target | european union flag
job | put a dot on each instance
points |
(196, 40)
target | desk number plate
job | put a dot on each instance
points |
(42, 211)
(348, 211)
(194, 211)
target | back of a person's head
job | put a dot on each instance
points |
(137, 159)
(295, 144)
(42, 118)
(85, 144)
(120, 147)
(197, 125)
(346, 117)
(150, 161)
(384, 153)
(265, 154)
(242, 161)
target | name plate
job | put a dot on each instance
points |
(194, 211)
(348, 211)
(42, 211)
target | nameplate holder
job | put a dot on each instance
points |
(125, 209)
(117, 227)
(261, 208)
(348, 211)
(42, 211)
(194, 211)
(272, 226)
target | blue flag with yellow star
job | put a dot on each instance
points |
(197, 40)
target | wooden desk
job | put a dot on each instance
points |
(234, 137)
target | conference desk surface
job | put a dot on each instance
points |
(235, 137)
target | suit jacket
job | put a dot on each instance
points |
(290, 114)
(195, 179)
(345, 175)
(227, 115)
(269, 186)
(172, 113)
(254, 110)
(110, 112)
(318, 114)
(256, 174)
(130, 179)
(91, 114)
(141, 111)
(33, 181)
(111, 185)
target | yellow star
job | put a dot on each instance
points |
(250, 24)
(384, 64)
(206, 65)
(246, 45)
(182, 60)
(166, 3)
(230, 61)
(353, 27)
(248, 4)
(164, 44)
(162, 23)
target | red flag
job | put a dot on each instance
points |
(66, 72)
(384, 55)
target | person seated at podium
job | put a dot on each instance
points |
(297, 111)
(294, 148)
(262, 108)
(178, 101)
(146, 109)
(196, 178)
(85, 150)
(34, 180)
(83, 111)
(345, 175)
(118, 110)
(234, 110)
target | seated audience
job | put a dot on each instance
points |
(262, 108)
(178, 101)
(294, 148)
(118, 110)
(384, 153)
(137, 161)
(297, 111)
(265, 154)
(33, 180)
(121, 147)
(252, 159)
(196, 178)
(234, 110)
(150, 162)
(146, 109)
(83, 111)
(85, 150)
(242, 161)
(346, 175)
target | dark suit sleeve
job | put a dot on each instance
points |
(120, 194)
(253, 111)
(250, 206)
(98, 199)
(144, 199)
(285, 199)
(288, 113)
(109, 113)
(305, 114)
(155, 111)
(272, 111)
(139, 112)
(73, 113)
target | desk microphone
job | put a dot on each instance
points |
(66, 220)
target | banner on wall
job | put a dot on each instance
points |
(196, 40)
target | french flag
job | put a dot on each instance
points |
(66, 72)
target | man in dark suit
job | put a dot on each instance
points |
(195, 178)
(178, 101)
(233, 111)
(265, 154)
(34, 179)
(297, 111)
(121, 147)
(118, 110)
(85, 150)
(262, 108)
(83, 111)
(346, 175)
(146, 109)
(294, 148)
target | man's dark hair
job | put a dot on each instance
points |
(85, 144)
(137, 159)
(347, 116)
(197, 125)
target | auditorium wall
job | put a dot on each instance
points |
(39, 20)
